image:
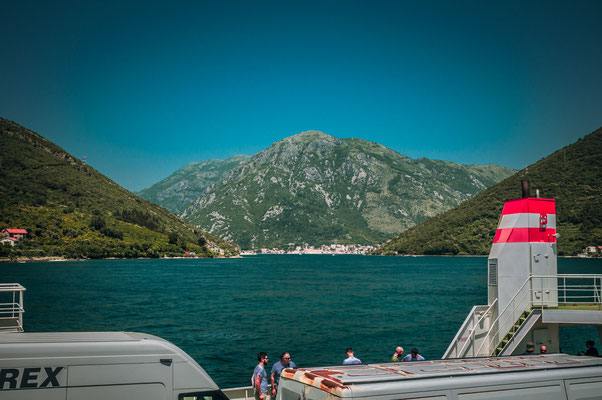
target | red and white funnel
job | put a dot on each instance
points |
(524, 245)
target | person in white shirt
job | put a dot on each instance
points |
(350, 358)
(413, 356)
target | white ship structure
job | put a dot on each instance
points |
(527, 299)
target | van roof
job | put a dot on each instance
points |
(339, 378)
(83, 345)
(69, 337)
(27, 349)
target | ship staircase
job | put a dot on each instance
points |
(487, 332)
(11, 307)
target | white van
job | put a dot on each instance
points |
(545, 377)
(99, 365)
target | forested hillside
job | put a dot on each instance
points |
(571, 175)
(71, 210)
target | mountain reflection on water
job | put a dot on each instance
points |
(223, 312)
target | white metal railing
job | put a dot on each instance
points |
(480, 338)
(570, 289)
(520, 303)
(543, 291)
(452, 349)
(474, 325)
(11, 307)
(244, 393)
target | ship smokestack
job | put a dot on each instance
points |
(524, 246)
(526, 189)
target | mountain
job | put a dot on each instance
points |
(188, 183)
(571, 175)
(314, 188)
(72, 210)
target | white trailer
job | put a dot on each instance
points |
(99, 365)
(545, 377)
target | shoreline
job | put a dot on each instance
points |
(24, 260)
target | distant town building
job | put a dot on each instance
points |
(324, 249)
(591, 251)
(217, 249)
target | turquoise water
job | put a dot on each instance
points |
(223, 312)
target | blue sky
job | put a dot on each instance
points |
(143, 88)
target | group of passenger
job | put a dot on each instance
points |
(591, 350)
(260, 376)
(396, 357)
(530, 349)
(259, 380)
(413, 356)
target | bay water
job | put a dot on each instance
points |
(224, 311)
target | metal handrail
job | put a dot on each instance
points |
(244, 392)
(495, 322)
(595, 288)
(13, 310)
(11, 287)
(11, 307)
(572, 293)
(454, 342)
(472, 331)
(463, 327)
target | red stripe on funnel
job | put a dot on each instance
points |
(524, 235)
(530, 205)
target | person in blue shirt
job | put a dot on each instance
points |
(285, 362)
(260, 377)
(413, 356)
(350, 358)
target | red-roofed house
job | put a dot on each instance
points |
(14, 233)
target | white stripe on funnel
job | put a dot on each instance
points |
(525, 220)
